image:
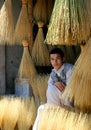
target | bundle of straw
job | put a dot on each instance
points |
(30, 13)
(58, 118)
(50, 4)
(39, 11)
(78, 89)
(40, 53)
(3, 107)
(6, 23)
(22, 29)
(69, 24)
(26, 69)
(11, 113)
(39, 88)
(27, 114)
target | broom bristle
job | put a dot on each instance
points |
(6, 23)
(11, 114)
(22, 29)
(72, 24)
(51, 116)
(39, 48)
(39, 11)
(26, 69)
(80, 81)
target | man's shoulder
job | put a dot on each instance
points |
(68, 65)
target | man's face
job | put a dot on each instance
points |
(56, 61)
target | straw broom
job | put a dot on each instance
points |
(27, 114)
(26, 69)
(22, 29)
(11, 113)
(6, 23)
(50, 4)
(39, 86)
(39, 11)
(78, 89)
(40, 53)
(30, 13)
(71, 26)
(63, 119)
(3, 106)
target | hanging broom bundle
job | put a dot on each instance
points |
(6, 23)
(50, 4)
(26, 69)
(40, 53)
(22, 29)
(51, 116)
(69, 24)
(30, 13)
(78, 89)
(39, 11)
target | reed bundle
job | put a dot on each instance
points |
(58, 118)
(27, 68)
(22, 29)
(11, 113)
(6, 23)
(3, 107)
(50, 4)
(40, 53)
(78, 89)
(39, 11)
(27, 114)
(30, 14)
(69, 23)
(39, 86)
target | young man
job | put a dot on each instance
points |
(59, 77)
(57, 82)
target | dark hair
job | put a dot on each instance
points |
(57, 51)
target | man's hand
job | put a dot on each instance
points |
(60, 86)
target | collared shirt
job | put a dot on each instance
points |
(64, 74)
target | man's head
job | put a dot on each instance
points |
(56, 58)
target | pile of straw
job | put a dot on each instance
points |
(70, 23)
(58, 118)
(40, 53)
(27, 68)
(79, 87)
(22, 29)
(6, 23)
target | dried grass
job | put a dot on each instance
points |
(27, 68)
(40, 53)
(71, 25)
(58, 118)
(39, 11)
(6, 23)
(39, 86)
(22, 29)
(78, 89)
